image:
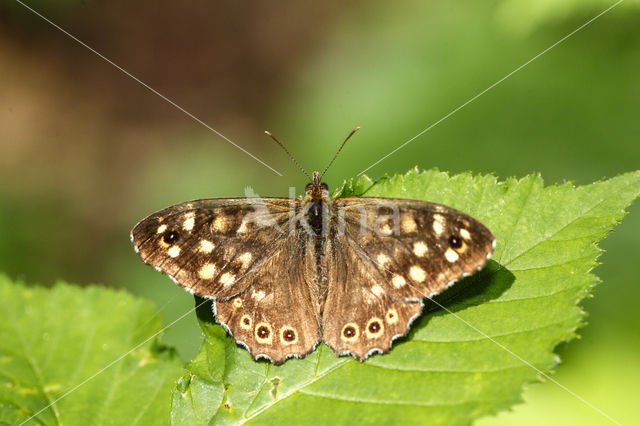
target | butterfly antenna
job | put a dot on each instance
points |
(339, 149)
(268, 133)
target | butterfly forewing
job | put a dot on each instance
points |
(213, 247)
(414, 249)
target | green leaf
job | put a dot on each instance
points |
(455, 365)
(52, 340)
(199, 392)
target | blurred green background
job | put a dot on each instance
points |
(85, 151)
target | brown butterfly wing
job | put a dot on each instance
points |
(276, 317)
(241, 253)
(386, 255)
(214, 247)
(360, 317)
(414, 249)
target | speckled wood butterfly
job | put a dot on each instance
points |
(286, 274)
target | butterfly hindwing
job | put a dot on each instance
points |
(275, 317)
(360, 317)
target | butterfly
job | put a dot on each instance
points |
(286, 274)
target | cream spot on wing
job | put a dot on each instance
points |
(383, 259)
(174, 251)
(243, 228)
(398, 281)
(451, 255)
(369, 298)
(162, 228)
(189, 221)
(207, 271)
(377, 290)
(409, 224)
(385, 229)
(219, 223)
(258, 295)
(417, 274)
(206, 246)
(465, 234)
(391, 316)
(438, 224)
(420, 248)
(245, 258)
(237, 302)
(227, 279)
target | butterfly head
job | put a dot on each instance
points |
(317, 190)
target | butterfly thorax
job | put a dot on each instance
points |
(315, 204)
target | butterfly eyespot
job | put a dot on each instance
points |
(392, 316)
(288, 336)
(245, 322)
(263, 333)
(455, 242)
(171, 237)
(350, 332)
(374, 328)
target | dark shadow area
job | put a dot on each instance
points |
(485, 285)
(204, 309)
